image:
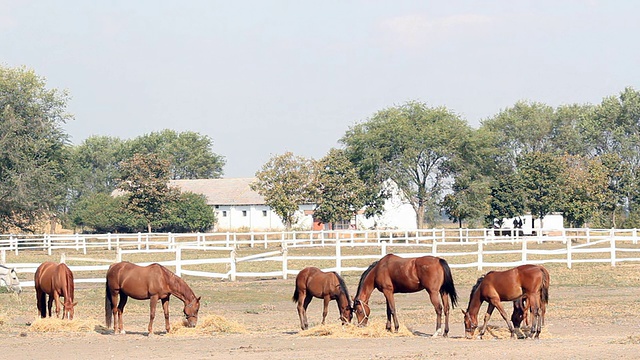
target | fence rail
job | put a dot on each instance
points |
(462, 248)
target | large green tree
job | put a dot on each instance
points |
(144, 181)
(340, 192)
(95, 165)
(189, 154)
(32, 148)
(286, 181)
(412, 145)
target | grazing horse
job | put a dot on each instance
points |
(520, 306)
(153, 282)
(393, 274)
(55, 280)
(312, 282)
(9, 279)
(525, 281)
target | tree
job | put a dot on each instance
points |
(144, 182)
(189, 212)
(586, 183)
(188, 153)
(340, 192)
(286, 181)
(542, 178)
(32, 148)
(95, 165)
(412, 145)
(507, 198)
(103, 213)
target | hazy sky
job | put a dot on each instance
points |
(265, 77)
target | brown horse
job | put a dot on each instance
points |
(55, 280)
(520, 306)
(525, 281)
(312, 282)
(393, 274)
(153, 282)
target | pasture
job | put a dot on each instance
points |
(592, 313)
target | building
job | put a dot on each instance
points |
(238, 207)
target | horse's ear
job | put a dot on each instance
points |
(199, 297)
(463, 312)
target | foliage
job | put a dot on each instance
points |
(32, 148)
(95, 165)
(144, 182)
(189, 212)
(542, 178)
(188, 154)
(340, 192)
(507, 199)
(413, 146)
(103, 213)
(586, 184)
(286, 181)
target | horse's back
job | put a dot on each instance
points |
(136, 281)
(44, 277)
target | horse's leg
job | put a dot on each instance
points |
(56, 298)
(437, 305)
(165, 307)
(301, 309)
(305, 305)
(41, 298)
(391, 310)
(120, 311)
(153, 302)
(498, 306)
(50, 304)
(325, 311)
(536, 324)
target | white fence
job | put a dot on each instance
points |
(462, 248)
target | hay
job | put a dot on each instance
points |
(208, 325)
(504, 333)
(631, 339)
(375, 329)
(56, 325)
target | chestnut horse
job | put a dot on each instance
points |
(525, 281)
(520, 306)
(312, 282)
(55, 280)
(393, 274)
(153, 282)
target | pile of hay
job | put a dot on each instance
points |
(631, 339)
(375, 329)
(48, 325)
(209, 325)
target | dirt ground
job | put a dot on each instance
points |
(582, 322)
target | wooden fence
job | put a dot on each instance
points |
(347, 251)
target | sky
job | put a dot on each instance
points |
(261, 78)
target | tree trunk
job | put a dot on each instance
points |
(420, 216)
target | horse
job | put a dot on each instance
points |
(393, 274)
(55, 280)
(525, 281)
(9, 279)
(312, 282)
(520, 306)
(153, 282)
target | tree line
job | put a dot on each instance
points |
(579, 159)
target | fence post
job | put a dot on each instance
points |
(338, 257)
(118, 254)
(232, 265)
(63, 258)
(613, 247)
(47, 240)
(383, 248)
(480, 250)
(77, 241)
(3, 257)
(15, 241)
(569, 254)
(524, 249)
(178, 261)
(635, 236)
(109, 241)
(139, 241)
(284, 263)
(146, 241)
(434, 247)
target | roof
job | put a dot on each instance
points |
(234, 191)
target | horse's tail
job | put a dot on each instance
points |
(544, 291)
(295, 296)
(447, 285)
(108, 306)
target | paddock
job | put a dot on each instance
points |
(592, 312)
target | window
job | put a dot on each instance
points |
(224, 213)
(244, 212)
(264, 213)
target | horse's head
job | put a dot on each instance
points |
(67, 309)
(518, 314)
(11, 281)
(470, 324)
(191, 309)
(346, 313)
(362, 311)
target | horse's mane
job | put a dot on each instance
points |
(70, 286)
(477, 285)
(343, 286)
(364, 275)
